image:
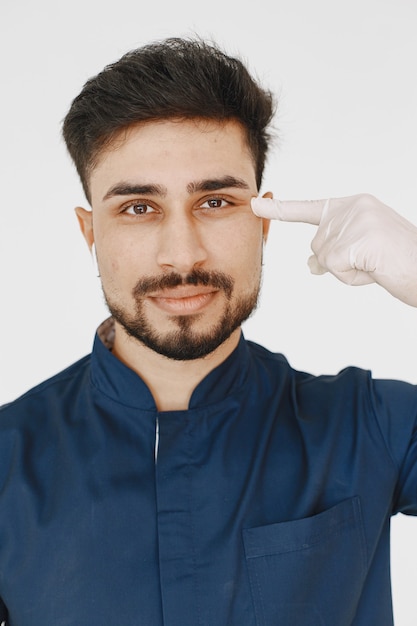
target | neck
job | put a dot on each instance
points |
(171, 382)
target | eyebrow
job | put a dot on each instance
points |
(130, 189)
(214, 184)
(209, 184)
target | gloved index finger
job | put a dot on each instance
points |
(307, 211)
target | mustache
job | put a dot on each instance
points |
(207, 278)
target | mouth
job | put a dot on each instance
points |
(184, 300)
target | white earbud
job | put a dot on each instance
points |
(94, 259)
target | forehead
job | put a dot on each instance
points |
(179, 150)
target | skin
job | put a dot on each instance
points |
(151, 218)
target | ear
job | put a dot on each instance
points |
(85, 220)
(266, 223)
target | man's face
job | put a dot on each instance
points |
(178, 247)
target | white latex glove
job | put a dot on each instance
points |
(359, 240)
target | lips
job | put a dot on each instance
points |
(184, 299)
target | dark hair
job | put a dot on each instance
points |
(174, 78)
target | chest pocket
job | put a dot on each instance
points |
(308, 572)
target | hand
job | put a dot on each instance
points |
(359, 240)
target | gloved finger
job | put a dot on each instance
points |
(349, 276)
(307, 211)
(315, 267)
(354, 278)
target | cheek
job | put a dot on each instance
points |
(239, 252)
(119, 255)
(250, 240)
(116, 265)
(109, 258)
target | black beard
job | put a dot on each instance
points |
(184, 344)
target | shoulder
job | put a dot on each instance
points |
(41, 420)
(351, 387)
(55, 388)
(277, 362)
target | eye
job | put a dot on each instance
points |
(215, 203)
(137, 208)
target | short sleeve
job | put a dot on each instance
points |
(395, 407)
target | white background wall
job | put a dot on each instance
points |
(346, 75)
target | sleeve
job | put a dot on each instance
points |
(395, 407)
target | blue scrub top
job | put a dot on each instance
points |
(269, 503)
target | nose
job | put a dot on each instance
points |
(180, 245)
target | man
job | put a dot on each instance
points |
(180, 475)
